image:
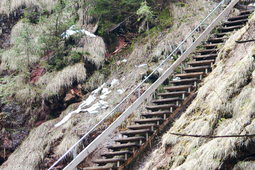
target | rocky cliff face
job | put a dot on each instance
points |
(224, 106)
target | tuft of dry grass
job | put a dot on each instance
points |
(96, 80)
(62, 79)
(8, 6)
(96, 50)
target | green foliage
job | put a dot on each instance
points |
(165, 19)
(112, 12)
(59, 22)
(145, 13)
(221, 120)
(181, 4)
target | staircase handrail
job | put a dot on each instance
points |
(92, 146)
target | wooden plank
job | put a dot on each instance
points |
(93, 145)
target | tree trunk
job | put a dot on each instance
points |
(148, 34)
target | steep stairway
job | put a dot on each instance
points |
(168, 102)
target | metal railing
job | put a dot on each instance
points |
(152, 88)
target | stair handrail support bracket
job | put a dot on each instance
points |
(93, 145)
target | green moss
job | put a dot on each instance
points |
(180, 4)
(166, 19)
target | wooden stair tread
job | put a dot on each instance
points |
(210, 45)
(230, 28)
(200, 62)
(111, 160)
(101, 168)
(184, 81)
(167, 100)
(163, 106)
(136, 132)
(197, 68)
(221, 34)
(130, 139)
(123, 146)
(183, 87)
(235, 22)
(143, 126)
(148, 120)
(207, 51)
(205, 56)
(246, 12)
(116, 153)
(186, 75)
(159, 113)
(238, 17)
(217, 40)
(173, 93)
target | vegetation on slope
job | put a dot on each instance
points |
(72, 64)
(224, 106)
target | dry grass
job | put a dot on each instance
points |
(46, 138)
(8, 6)
(63, 79)
(96, 49)
(181, 29)
(96, 80)
(41, 139)
(224, 106)
(16, 58)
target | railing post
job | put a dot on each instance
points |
(74, 155)
(181, 55)
(139, 94)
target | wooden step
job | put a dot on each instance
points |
(151, 120)
(175, 88)
(167, 100)
(200, 68)
(227, 29)
(102, 168)
(205, 57)
(143, 126)
(106, 161)
(218, 35)
(238, 17)
(190, 75)
(201, 63)
(137, 132)
(162, 107)
(117, 153)
(210, 46)
(164, 114)
(207, 51)
(123, 146)
(190, 81)
(246, 12)
(174, 94)
(217, 40)
(131, 139)
(236, 22)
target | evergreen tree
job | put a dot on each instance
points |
(145, 13)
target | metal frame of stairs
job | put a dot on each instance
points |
(150, 127)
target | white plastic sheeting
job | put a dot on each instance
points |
(70, 32)
(114, 82)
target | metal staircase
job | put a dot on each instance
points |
(171, 102)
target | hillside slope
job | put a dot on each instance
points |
(224, 106)
(47, 139)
